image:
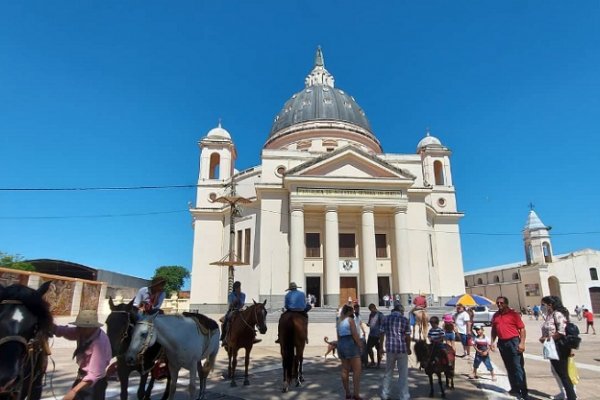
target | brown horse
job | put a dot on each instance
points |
(293, 330)
(442, 362)
(241, 334)
(421, 323)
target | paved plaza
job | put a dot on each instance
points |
(323, 376)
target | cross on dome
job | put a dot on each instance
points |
(319, 75)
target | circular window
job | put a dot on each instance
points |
(280, 171)
(441, 202)
(212, 196)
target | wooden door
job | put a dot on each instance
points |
(348, 289)
(595, 299)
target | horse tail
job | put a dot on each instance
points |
(288, 354)
(213, 350)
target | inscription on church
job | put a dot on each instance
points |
(328, 192)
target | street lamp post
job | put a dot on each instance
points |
(230, 259)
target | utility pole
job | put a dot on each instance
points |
(230, 260)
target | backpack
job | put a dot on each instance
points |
(572, 339)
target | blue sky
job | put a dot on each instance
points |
(118, 93)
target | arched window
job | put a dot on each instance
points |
(215, 161)
(438, 171)
(547, 252)
(496, 279)
(515, 275)
(528, 250)
(593, 274)
(479, 281)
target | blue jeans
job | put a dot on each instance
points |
(515, 365)
(482, 359)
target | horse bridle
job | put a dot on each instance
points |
(255, 316)
(125, 333)
(146, 344)
(32, 353)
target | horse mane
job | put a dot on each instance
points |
(209, 323)
(33, 301)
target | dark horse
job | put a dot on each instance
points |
(442, 361)
(119, 326)
(241, 334)
(25, 325)
(292, 339)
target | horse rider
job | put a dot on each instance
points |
(235, 301)
(148, 300)
(419, 303)
(295, 301)
(93, 354)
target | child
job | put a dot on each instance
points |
(589, 318)
(482, 347)
(449, 335)
(436, 337)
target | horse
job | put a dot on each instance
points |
(241, 334)
(119, 326)
(421, 322)
(25, 326)
(292, 331)
(186, 343)
(443, 362)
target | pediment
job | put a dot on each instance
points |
(349, 162)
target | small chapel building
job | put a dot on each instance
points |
(573, 276)
(327, 209)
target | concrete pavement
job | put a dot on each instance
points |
(323, 376)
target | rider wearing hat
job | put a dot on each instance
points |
(295, 300)
(149, 299)
(235, 301)
(93, 354)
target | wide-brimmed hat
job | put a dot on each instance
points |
(87, 319)
(293, 286)
(157, 280)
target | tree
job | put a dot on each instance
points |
(15, 262)
(175, 276)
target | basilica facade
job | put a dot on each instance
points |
(326, 209)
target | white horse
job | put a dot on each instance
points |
(185, 346)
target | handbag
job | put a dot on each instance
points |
(549, 350)
(572, 370)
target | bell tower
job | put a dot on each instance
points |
(536, 238)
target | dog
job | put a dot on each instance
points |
(331, 347)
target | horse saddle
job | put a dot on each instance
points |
(205, 324)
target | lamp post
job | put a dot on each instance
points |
(230, 259)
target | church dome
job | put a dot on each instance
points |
(218, 133)
(319, 106)
(428, 140)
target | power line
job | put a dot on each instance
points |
(98, 188)
(94, 215)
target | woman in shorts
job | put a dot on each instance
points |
(349, 348)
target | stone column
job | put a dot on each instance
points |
(297, 244)
(368, 269)
(332, 256)
(402, 270)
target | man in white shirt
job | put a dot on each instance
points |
(149, 299)
(463, 326)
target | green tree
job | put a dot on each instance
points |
(175, 276)
(15, 262)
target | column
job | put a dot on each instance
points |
(368, 269)
(402, 270)
(297, 244)
(332, 256)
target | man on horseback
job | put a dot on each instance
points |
(148, 300)
(418, 314)
(295, 301)
(235, 301)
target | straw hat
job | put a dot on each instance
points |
(87, 319)
(293, 286)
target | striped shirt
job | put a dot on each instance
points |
(436, 335)
(395, 327)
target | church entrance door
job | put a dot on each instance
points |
(348, 289)
(595, 299)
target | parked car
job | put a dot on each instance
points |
(483, 315)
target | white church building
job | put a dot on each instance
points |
(328, 209)
(573, 276)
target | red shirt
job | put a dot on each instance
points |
(507, 325)
(589, 317)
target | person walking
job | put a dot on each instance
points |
(482, 346)
(93, 354)
(462, 321)
(509, 329)
(536, 312)
(554, 325)
(374, 338)
(589, 321)
(396, 333)
(578, 312)
(350, 348)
